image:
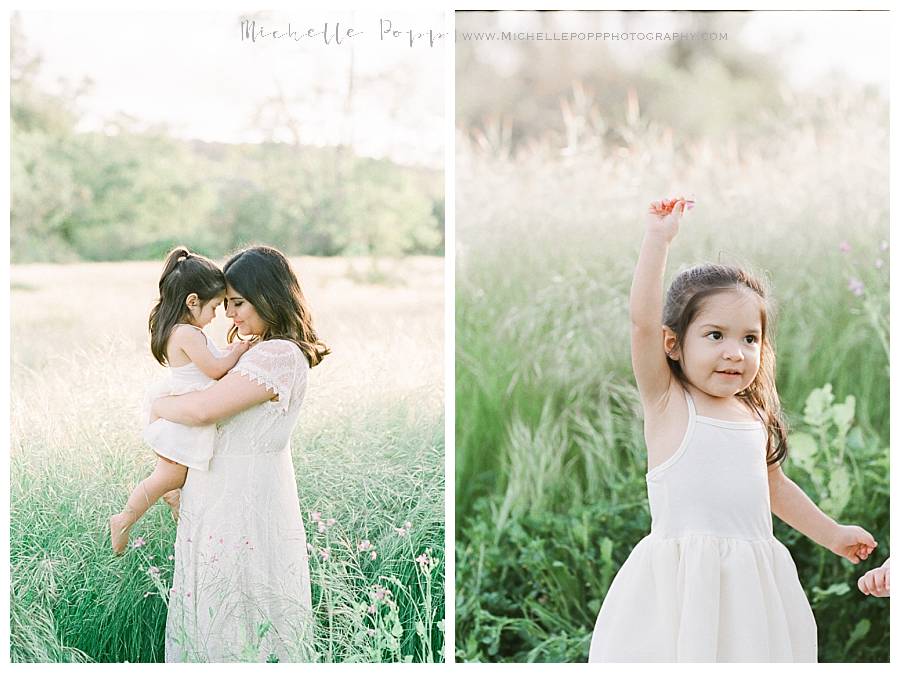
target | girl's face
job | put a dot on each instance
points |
(720, 352)
(241, 311)
(203, 314)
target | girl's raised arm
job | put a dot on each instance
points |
(648, 357)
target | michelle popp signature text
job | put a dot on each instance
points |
(337, 34)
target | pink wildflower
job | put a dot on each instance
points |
(371, 632)
(330, 522)
(138, 542)
(844, 247)
(879, 263)
(373, 555)
(372, 609)
(325, 553)
(856, 286)
(315, 516)
(153, 571)
(364, 545)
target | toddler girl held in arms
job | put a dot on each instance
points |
(190, 289)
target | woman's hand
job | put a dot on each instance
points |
(663, 217)
(877, 582)
(853, 543)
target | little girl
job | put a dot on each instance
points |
(710, 583)
(190, 289)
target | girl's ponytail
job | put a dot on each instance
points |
(177, 255)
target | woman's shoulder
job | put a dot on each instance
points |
(283, 349)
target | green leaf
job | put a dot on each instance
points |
(803, 451)
(843, 415)
(859, 632)
(855, 440)
(817, 411)
(839, 490)
(838, 589)
(606, 549)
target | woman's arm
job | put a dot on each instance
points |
(228, 396)
(790, 504)
(648, 357)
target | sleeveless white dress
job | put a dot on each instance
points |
(191, 446)
(710, 583)
(241, 587)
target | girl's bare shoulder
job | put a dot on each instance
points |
(182, 335)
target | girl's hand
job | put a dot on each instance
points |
(663, 217)
(877, 582)
(239, 346)
(853, 543)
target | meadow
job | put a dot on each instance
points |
(368, 452)
(550, 458)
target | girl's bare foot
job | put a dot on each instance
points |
(173, 500)
(119, 525)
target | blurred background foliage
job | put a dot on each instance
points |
(132, 192)
(559, 149)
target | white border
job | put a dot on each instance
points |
(450, 347)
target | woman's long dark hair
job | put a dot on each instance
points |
(684, 300)
(184, 273)
(263, 276)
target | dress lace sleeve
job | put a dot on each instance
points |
(279, 365)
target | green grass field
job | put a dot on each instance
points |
(550, 457)
(368, 453)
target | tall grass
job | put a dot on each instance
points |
(550, 457)
(368, 454)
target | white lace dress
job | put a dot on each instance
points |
(240, 590)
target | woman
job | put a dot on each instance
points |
(241, 587)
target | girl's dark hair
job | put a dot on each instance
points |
(184, 273)
(684, 300)
(263, 276)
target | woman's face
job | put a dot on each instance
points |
(241, 311)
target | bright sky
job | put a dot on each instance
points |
(810, 44)
(193, 71)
